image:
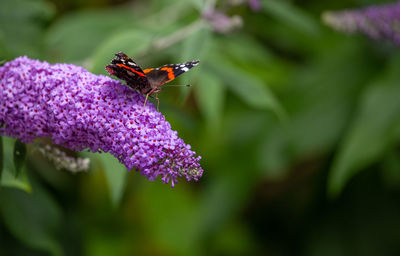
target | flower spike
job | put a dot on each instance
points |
(80, 110)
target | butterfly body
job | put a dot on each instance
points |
(148, 81)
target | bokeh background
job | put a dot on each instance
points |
(298, 127)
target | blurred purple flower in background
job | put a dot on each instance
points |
(378, 22)
(255, 5)
(222, 23)
(80, 110)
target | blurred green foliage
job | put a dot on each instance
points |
(298, 127)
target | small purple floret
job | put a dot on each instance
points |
(80, 110)
(378, 22)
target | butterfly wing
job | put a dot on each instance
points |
(126, 69)
(164, 74)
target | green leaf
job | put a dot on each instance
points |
(248, 87)
(198, 4)
(373, 132)
(132, 42)
(254, 53)
(196, 44)
(274, 155)
(291, 16)
(254, 58)
(115, 173)
(32, 218)
(8, 179)
(209, 93)
(4, 54)
(92, 26)
(194, 48)
(8, 176)
(19, 156)
(179, 209)
(21, 25)
(390, 168)
(224, 196)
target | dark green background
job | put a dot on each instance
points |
(298, 127)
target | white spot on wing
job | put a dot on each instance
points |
(185, 69)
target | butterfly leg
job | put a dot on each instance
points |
(145, 101)
(154, 90)
(158, 101)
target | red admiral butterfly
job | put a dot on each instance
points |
(148, 81)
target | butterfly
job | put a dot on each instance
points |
(149, 81)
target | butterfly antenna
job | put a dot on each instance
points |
(178, 85)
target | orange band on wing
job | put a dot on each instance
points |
(148, 70)
(170, 71)
(131, 69)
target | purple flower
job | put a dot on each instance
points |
(378, 22)
(220, 22)
(255, 5)
(80, 110)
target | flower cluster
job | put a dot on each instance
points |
(378, 22)
(62, 161)
(80, 110)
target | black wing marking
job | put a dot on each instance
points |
(164, 74)
(126, 69)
